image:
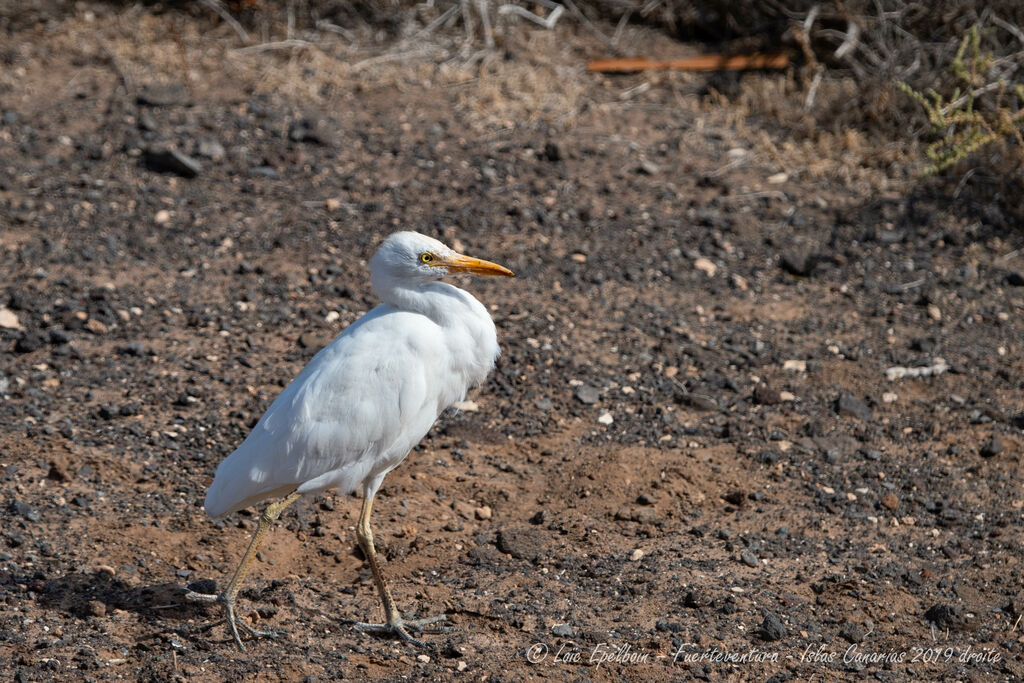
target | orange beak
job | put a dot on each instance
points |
(467, 264)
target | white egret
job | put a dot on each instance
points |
(354, 413)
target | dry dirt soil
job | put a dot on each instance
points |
(690, 462)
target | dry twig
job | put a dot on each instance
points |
(222, 11)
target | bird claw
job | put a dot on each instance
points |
(400, 627)
(273, 635)
(192, 596)
(233, 623)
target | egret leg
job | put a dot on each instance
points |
(394, 623)
(227, 598)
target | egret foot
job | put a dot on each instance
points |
(400, 627)
(229, 616)
(272, 635)
(227, 598)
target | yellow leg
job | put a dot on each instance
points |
(394, 622)
(269, 516)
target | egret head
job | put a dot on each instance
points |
(410, 259)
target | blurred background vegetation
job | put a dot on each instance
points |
(938, 81)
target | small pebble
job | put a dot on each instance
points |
(772, 628)
(992, 448)
(587, 394)
(705, 266)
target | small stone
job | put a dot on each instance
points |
(211, 149)
(798, 262)
(543, 404)
(852, 633)
(95, 608)
(9, 319)
(749, 558)
(735, 497)
(772, 628)
(59, 337)
(766, 396)
(777, 178)
(605, 419)
(849, 405)
(696, 401)
(992, 448)
(163, 94)
(636, 555)
(263, 171)
(482, 512)
(95, 326)
(562, 630)
(541, 517)
(942, 616)
(695, 599)
(425, 659)
(933, 312)
(739, 282)
(132, 349)
(923, 344)
(890, 397)
(316, 130)
(24, 510)
(162, 217)
(56, 473)
(648, 167)
(889, 501)
(522, 543)
(29, 342)
(171, 161)
(645, 499)
(787, 396)
(466, 406)
(795, 366)
(587, 394)
(308, 340)
(705, 266)
(666, 626)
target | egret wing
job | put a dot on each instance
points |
(355, 410)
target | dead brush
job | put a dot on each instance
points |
(965, 123)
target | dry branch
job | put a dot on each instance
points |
(708, 62)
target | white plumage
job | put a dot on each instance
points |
(354, 413)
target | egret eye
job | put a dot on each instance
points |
(427, 257)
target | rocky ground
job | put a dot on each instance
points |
(759, 413)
